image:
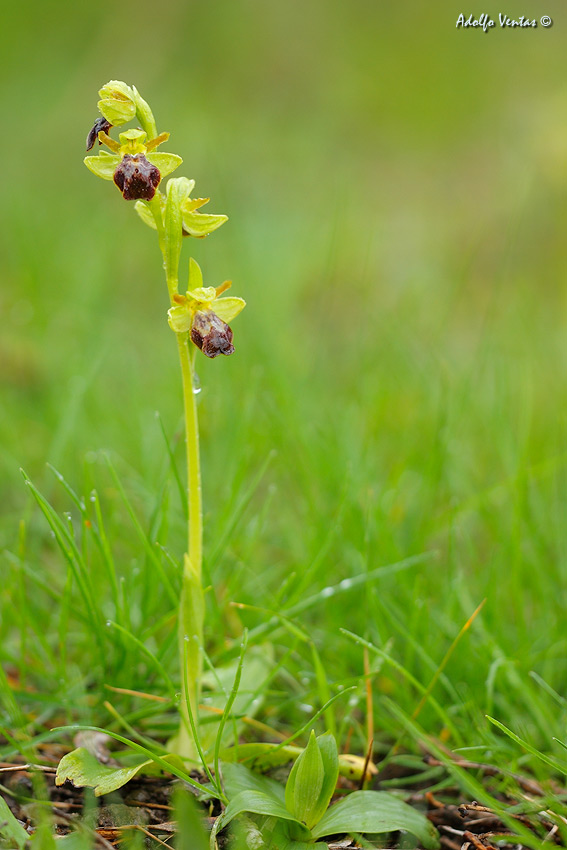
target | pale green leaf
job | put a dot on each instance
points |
(328, 749)
(166, 162)
(84, 770)
(238, 778)
(104, 165)
(376, 811)
(228, 308)
(258, 803)
(11, 829)
(304, 784)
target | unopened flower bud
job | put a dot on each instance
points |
(211, 334)
(137, 178)
(117, 102)
(99, 124)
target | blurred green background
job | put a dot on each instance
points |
(397, 196)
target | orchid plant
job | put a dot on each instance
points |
(199, 318)
(297, 817)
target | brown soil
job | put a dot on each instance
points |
(145, 805)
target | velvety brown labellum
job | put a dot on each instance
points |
(211, 334)
(100, 124)
(137, 178)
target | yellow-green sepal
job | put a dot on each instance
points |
(304, 784)
(117, 102)
(104, 165)
(200, 225)
(228, 308)
(166, 162)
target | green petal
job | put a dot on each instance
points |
(104, 165)
(203, 294)
(200, 225)
(228, 308)
(166, 162)
(180, 319)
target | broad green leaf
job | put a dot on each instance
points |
(257, 803)
(281, 839)
(228, 308)
(104, 165)
(166, 162)
(84, 770)
(200, 224)
(305, 783)
(238, 778)
(328, 749)
(376, 811)
(11, 829)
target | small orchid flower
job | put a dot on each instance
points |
(136, 175)
(205, 314)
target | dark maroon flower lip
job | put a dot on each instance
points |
(99, 124)
(137, 178)
(210, 334)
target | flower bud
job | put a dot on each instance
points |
(117, 102)
(99, 124)
(137, 178)
(211, 334)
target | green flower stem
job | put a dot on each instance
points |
(192, 606)
(195, 529)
